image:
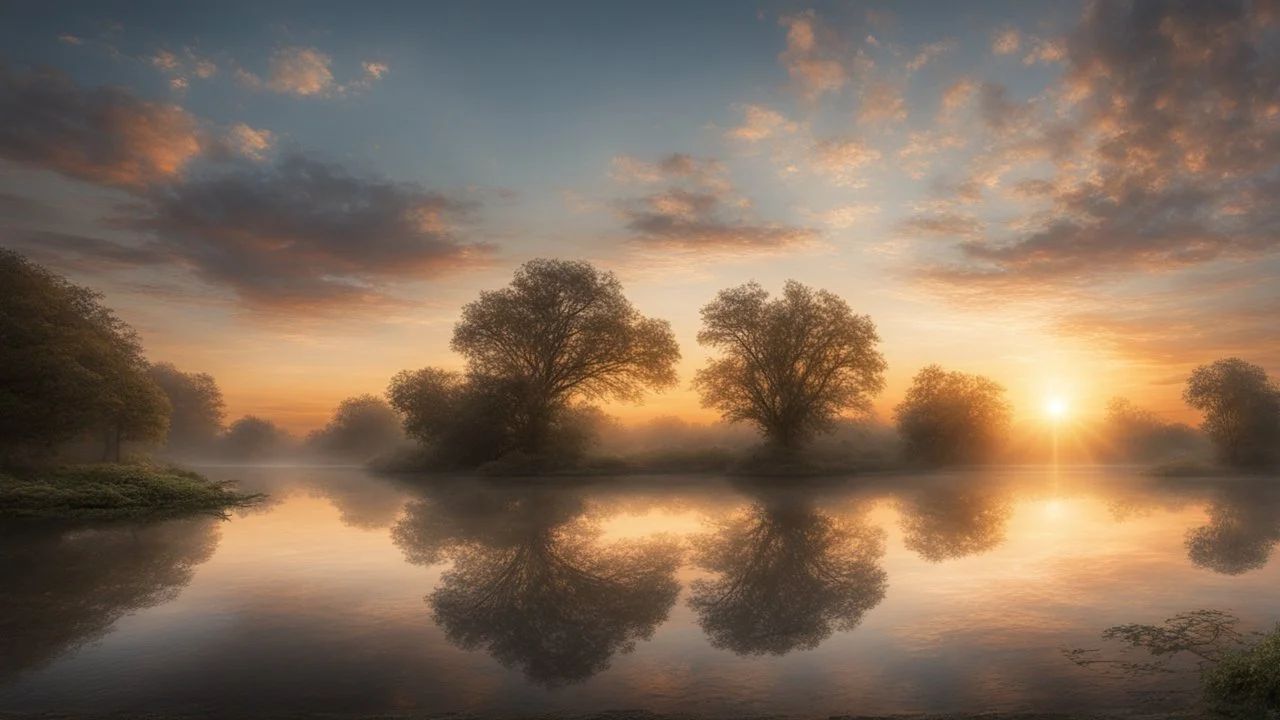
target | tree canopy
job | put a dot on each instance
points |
(1241, 407)
(362, 427)
(790, 366)
(563, 331)
(198, 407)
(69, 366)
(952, 417)
(255, 438)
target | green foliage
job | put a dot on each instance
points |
(198, 407)
(952, 417)
(1241, 409)
(362, 427)
(101, 491)
(789, 366)
(562, 332)
(1240, 678)
(1247, 680)
(68, 365)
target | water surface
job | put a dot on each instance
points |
(350, 593)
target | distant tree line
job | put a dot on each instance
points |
(538, 353)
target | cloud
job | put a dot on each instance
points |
(840, 158)
(249, 142)
(300, 71)
(846, 216)
(928, 53)
(308, 72)
(1046, 51)
(697, 209)
(182, 69)
(882, 102)
(812, 57)
(704, 172)
(103, 135)
(760, 123)
(1006, 41)
(1164, 151)
(374, 70)
(301, 235)
(70, 39)
(942, 224)
(955, 97)
(22, 209)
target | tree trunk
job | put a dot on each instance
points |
(111, 444)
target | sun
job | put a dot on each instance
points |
(1056, 408)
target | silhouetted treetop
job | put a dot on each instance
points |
(198, 407)
(1241, 409)
(361, 427)
(69, 365)
(952, 417)
(790, 365)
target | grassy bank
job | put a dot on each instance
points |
(108, 491)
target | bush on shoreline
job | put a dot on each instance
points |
(109, 490)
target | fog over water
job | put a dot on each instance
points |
(349, 592)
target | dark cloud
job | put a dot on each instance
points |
(22, 209)
(104, 135)
(1164, 135)
(697, 209)
(942, 224)
(303, 234)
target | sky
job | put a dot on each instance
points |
(1078, 200)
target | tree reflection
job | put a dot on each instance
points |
(954, 522)
(61, 589)
(1243, 529)
(533, 584)
(788, 577)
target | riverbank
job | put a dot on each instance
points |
(107, 491)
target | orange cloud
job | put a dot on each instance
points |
(812, 57)
(103, 135)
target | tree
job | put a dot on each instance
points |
(466, 422)
(1241, 409)
(952, 417)
(361, 427)
(1134, 433)
(255, 438)
(563, 331)
(69, 366)
(790, 366)
(785, 577)
(198, 407)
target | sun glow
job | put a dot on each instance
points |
(1056, 408)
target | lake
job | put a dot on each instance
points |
(350, 593)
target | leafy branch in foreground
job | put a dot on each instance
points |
(1239, 673)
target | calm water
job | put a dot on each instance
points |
(353, 594)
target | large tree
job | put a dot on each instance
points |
(952, 417)
(1241, 409)
(790, 366)
(361, 428)
(198, 407)
(562, 331)
(69, 366)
